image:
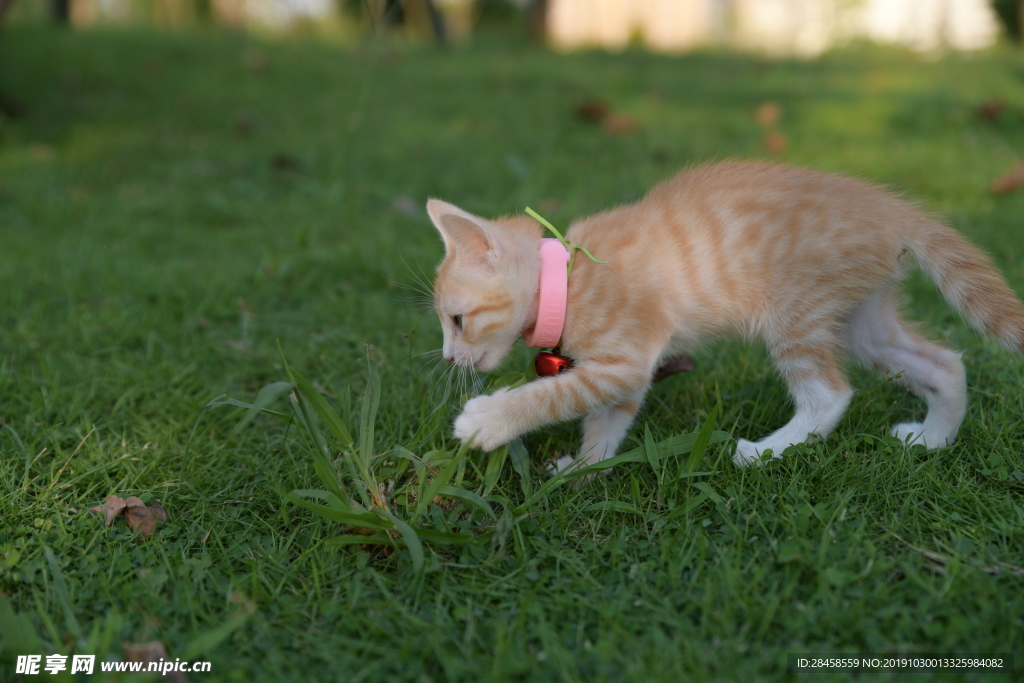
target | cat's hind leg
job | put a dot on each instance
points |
(603, 431)
(879, 338)
(820, 393)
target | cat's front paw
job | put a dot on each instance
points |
(913, 434)
(569, 464)
(482, 423)
(749, 453)
(560, 465)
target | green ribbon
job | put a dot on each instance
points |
(569, 245)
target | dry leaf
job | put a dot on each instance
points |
(283, 161)
(157, 510)
(617, 124)
(151, 652)
(775, 142)
(111, 508)
(138, 516)
(992, 110)
(592, 111)
(768, 114)
(139, 519)
(1013, 180)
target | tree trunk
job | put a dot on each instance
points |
(61, 11)
(437, 22)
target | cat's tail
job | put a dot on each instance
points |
(971, 284)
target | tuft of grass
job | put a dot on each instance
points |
(379, 501)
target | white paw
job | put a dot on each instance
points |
(749, 453)
(571, 464)
(913, 433)
(560, 465)
(482, 423)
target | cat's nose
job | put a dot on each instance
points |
(450, 359)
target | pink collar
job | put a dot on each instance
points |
(554, 286)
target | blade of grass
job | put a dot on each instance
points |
(61, 589)
(495, 462)
(652, 452)
(371, 401)
(444, 475)
(703, 439)
(443, 537)
(20, 637)
(687, 507)
(214, 637)
(267, 395)
(614, 506)
(468, 497)
(521, 464)
(321, 455)
(709, 491)
(358, 539)
(360, 519)
(320, 405)
(412, 541)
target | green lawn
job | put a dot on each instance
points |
(175, 207)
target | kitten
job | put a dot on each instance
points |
(810, 263)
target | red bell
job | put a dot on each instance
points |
(550, 364)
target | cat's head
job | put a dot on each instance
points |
(486, 287)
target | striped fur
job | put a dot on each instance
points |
(807, 262)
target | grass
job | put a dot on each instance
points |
(175, 207)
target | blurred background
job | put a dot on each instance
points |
(804, 27)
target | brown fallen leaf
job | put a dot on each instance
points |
(768, 113)
(283, 161)
(775, 142)
(618, 124)
(148, 653)
(157, 510)
(1009, 182)
(592, 110)
(139, 519)
(111, 508)
(992, 109)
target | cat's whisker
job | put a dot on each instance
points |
(427, 353)
(423, 286)
(433, 363)
(444, 376)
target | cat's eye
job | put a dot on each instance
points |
(457, 321)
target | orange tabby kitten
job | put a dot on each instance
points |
(807, 262)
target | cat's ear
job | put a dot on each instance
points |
(469, 237)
